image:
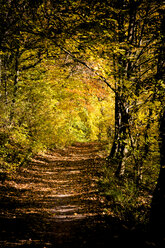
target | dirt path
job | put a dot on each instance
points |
(55, 203)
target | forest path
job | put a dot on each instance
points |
(54, 202)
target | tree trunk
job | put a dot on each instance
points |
(122, 67)
(119, 149)
(114, 149)
(3, 77)
(16, 73)
(157, 218)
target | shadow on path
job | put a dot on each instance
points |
(54, 202)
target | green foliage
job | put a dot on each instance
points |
(45, 108)
(12, 152)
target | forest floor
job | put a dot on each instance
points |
(55, 202)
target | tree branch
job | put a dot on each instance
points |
(31, 66)
(102, 78)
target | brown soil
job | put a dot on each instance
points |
(54, 202)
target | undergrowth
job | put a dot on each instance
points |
(125, 200)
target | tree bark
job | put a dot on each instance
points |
(15, 86)
(119, 149)
(157, 217)
(3, 77)
(123, 72)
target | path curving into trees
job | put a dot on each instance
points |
(54, 202)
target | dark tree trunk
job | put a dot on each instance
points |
(3, 77)
(114, 148)
(119, 150)
(15, 86)
(157, 218)
(122, 74)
